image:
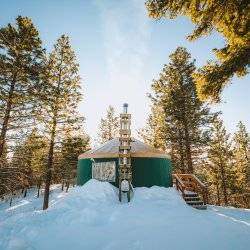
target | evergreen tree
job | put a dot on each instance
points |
(10, 178)
(57, 164)
(30, 158)
(21, 60)
(38, 162)
(220, 160)
(61, 90)
(109, 126)
(22, 160)
(187, 119)
(72, 147)
(154, 133)
(241, 164)
(232, 20)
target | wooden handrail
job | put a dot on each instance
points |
(198, 181)
(179, 184)
(179, 180)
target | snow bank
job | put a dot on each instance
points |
(91, 217)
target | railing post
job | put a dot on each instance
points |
(205, 196)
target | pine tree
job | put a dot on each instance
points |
(22, 160)
(57, 164)
(154, 133)
(61, 96)
(38, 162)
(30, 158)
(10, 178)
(232, 20)
(109, 126)
(72, 147)
(220, 160)
(187, 119)
(241, 164)
(21, 60)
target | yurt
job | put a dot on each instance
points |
(149, 166)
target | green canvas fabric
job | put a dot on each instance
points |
(147, 172)
(84, 169)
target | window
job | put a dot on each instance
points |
(104, 171)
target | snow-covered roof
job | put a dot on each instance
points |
(110, 150)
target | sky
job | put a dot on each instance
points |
(120, 51)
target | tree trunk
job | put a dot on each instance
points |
(11, 198)
(38, 190)
(183, 169)
(218, 193)
(188, 149)
(49, 166)
(62, 185)
(223, 182)
(25, 193)
(67, 186)
(182, 165)
(51, 148)
(187, 142)
(7, 116)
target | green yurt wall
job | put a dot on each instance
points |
(149, 166)
(84, 169)
(148, 172)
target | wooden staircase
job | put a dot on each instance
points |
(193, 191)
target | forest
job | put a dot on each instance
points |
(42, 131)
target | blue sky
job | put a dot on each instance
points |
(120, 50)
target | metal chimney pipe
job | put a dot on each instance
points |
(125, 108)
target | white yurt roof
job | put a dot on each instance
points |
(110, 150)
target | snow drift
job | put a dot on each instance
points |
(91, 217)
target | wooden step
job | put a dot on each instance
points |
(192, 198)
(198, 204)
(194, 203)
(201, 207)
(194, 195)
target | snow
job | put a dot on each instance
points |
(112, 146)
(111, 149)
(90, 217)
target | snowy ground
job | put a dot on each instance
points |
(90, 217)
